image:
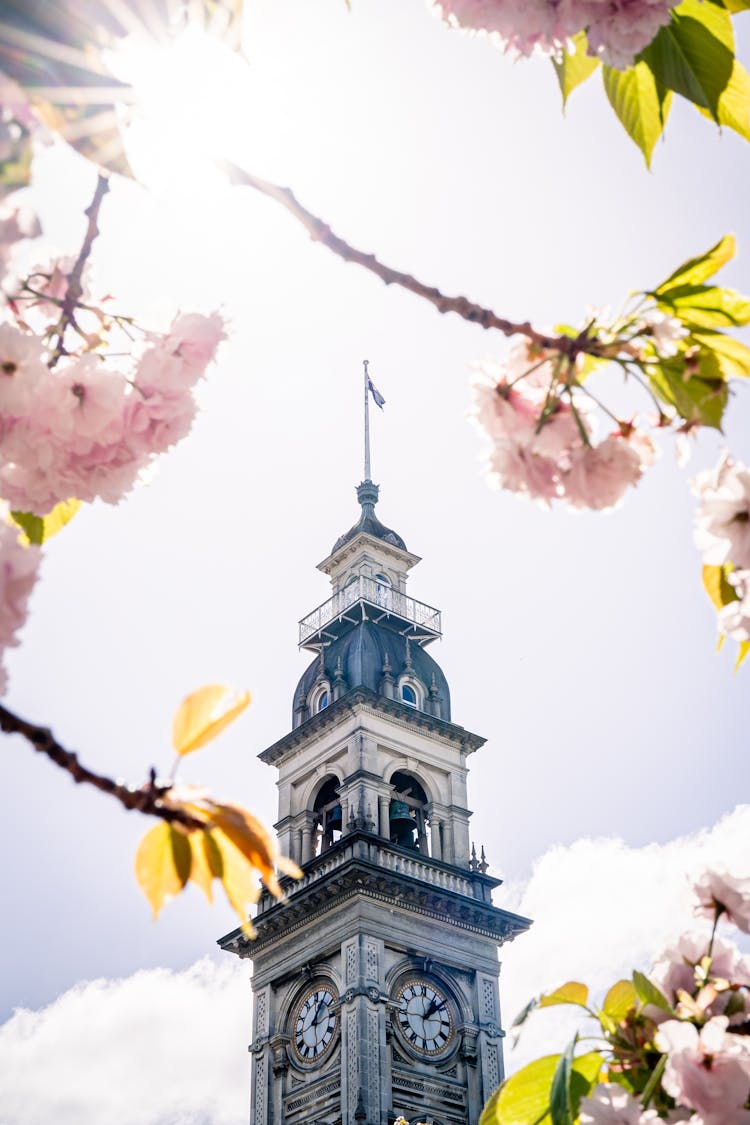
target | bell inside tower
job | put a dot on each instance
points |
(408, 813)
(328, 822)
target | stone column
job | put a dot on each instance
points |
(449, 854)
(306, 842)
(384, 805)
(363, 1097)
(437, 846)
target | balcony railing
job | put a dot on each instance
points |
(380, 597)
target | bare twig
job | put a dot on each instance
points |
(74, 290)
(462, 306)
(148, 799)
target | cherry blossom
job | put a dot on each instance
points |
(617, 29)
(18, 573)
(610, 1104)
(665, 331)
(722, 530)
(707, 1070)
(22, 367)
(734, 618)
(542, 443)
(84, 429)
(718, 889)
(599, 475)
(686, 968)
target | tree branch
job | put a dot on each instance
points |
(148, 799)
(462, 306)
(74, 290)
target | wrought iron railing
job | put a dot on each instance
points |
(376, 594)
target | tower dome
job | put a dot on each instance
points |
(368, 522)
(373, 656)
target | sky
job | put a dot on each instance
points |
(581, 646)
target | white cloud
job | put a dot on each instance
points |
(157, 1048)
(164, 1048)
(601, 909)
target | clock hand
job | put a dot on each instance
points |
(435, 1006)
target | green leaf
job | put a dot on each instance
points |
(41, 528)
(694, 54)
(573, 992)
(524, 1014)
(560, 1108)
(651, 1086)
(641, 103)
(732, 359)
(573, 69)
(697, 270)
(706, 306)
(619, 1000)
(717, 585)
(734, 5)
(696, 398)
(648, 993)
(734, 103)
(524, 1098)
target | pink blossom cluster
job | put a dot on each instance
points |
(702, 1037)
(18, 572)
(84, 429)
(542, 443)
(616, 29)
(722, 534)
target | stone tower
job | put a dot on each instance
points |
(375, 982)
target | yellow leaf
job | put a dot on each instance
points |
(38, 529)
(719, 589)
(571, 993)
(207, 863)
(237, 877)
(251, 838)
(742, 652)
(203, 714)
(619, 1000)
(162, 864)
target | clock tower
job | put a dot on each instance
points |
(375, 981)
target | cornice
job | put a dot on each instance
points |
(363, 699)
(359, 878)
(381, 546)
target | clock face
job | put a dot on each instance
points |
(314, 1024)
(424, 1017)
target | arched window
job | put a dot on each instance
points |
(411, 691)
(328, 816)
(383, 590)
(408, 695)
(319, 698)
(408, 813)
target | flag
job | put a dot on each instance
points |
(379, 400)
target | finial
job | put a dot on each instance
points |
(360, 1113)
(473, 860)
(483, 864)
(407, 662)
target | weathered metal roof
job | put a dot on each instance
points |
(368, 522)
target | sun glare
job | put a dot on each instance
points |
(192, 98)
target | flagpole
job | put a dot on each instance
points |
(367, 422)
